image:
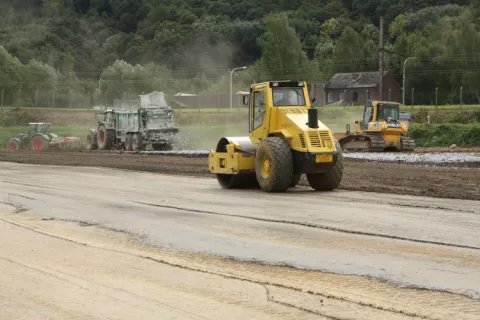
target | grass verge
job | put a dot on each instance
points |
(444, 135)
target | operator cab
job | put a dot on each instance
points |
(388, 112)
(38, 127)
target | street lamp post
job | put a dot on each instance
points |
(231, 85)
(403, 89)
(53, 98)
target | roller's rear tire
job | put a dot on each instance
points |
(329, 180)
(274, 165)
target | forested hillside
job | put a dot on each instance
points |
(189, 45)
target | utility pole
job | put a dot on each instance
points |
(380, 59)
(403, 89)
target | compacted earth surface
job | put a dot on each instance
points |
(121, 236)
(457, 180)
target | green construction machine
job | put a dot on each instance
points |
(135, 125)
(38, 138)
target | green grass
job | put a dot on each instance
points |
(444, 135)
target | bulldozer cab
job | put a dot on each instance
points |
(376, 111)
(389, 112)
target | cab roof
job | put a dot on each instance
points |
(280, 83)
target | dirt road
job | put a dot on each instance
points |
(453, 180)
(98, 243)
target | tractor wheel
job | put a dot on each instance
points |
(274, 165)
(329, 180)
(38, 143)
(105, 138)
(90, 142)
(13, 145)
(128, 142)
(295, 179)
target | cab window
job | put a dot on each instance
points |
(368, 117)
(258, 108)
(288, 97)
(389, 112)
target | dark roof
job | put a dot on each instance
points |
(354, 80)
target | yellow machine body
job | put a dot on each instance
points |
(284, 128)
(380, 129)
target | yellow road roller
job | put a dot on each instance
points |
(286, 139)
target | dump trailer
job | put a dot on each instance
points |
(38, 137)
(383, 128)
(133, 129)
(286, 139)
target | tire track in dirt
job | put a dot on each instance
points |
(316, 226)
(291, 277)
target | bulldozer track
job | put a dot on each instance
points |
(377, 144)
(408, 144)
(317, 226)
(373, 143)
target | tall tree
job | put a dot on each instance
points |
(282, 54)
(349, 52)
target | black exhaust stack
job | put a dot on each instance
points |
(313, 118)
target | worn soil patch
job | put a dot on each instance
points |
(455, 181)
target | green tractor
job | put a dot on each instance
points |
(38, 137)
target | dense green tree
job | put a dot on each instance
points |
(67, 46)
(123, 78)
(282, 54)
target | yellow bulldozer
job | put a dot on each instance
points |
(285, 140)
(382, 128)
